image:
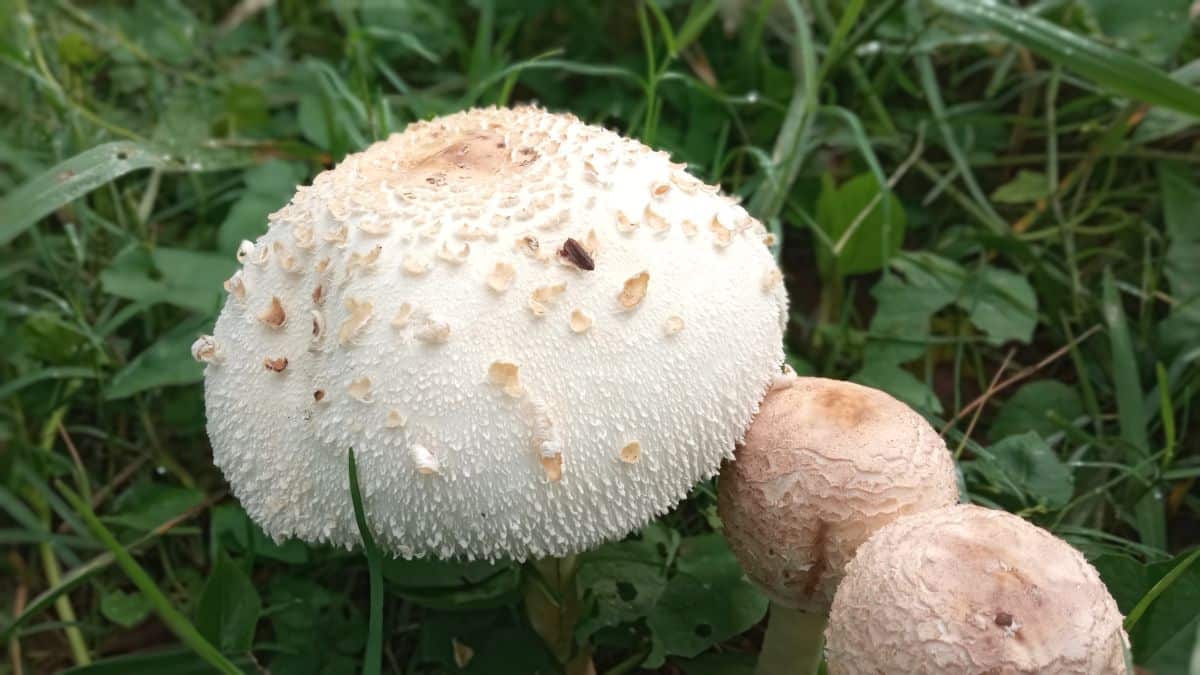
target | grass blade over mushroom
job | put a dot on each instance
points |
(373, 652)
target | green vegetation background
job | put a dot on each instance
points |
(989, 211)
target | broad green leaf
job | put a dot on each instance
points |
(228, 609)
(1029, 409)
(1153, 29)
(1000, 303)
(1026, 187)
(230, 528)
(876, 236)
(188, 279)
(145, 505)
(1165, 636)
(708, 601)
(621, 582)
(167, 362)
(268, 187)
(125, 609)
(923, 284)
(899, 383)
(1121, 73)
(299, 613)
(1026, 463)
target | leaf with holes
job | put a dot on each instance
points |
(621, 582)
(709, 600)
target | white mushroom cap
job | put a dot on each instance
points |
(823, 466)
(972, 590)
(491, 308)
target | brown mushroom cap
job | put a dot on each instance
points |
(972, 590)
(824, 465)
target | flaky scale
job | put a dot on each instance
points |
(466, 473)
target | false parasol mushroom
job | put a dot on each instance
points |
(966, 589)
(522, 324)
(823, 466)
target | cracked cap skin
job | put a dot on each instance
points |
(966, 589)
(536, 335)
(825, 464)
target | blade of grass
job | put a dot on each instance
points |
(792, 142)
(83, 571)
(1131, 414)
(695, 24)
(46, 598)
(837, 42)
(173, 618)
(373, 652)
(1167, 413)
(70, 179)
(1163, 584)
(1113, 69)
(933, 95)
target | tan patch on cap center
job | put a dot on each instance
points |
(471, 157)
(847, 408)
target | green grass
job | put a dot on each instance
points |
(987, 210)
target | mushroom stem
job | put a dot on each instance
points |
(552, 605)
(793, 644)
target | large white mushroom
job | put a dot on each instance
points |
(536, 336)
(824, 465)
(972, 590)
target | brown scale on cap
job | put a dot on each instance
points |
(823, 465)
(574, 252)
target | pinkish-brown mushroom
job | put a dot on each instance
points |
(824, 465)
(966, 589)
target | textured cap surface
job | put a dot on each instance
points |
(972, 590)
(535, 334)
(825, 464)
